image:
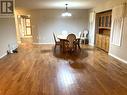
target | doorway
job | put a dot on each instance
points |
(25, 30)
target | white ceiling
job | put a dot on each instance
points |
(57, 4)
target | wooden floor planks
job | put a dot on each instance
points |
(43, 70)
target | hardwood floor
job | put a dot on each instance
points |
(41, 70)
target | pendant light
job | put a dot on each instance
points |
(66, 13)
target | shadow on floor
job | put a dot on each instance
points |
(71, 55)
(74, 58)
(46, 51)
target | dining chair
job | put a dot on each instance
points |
(84, 36)
(77, 44)
(71, 38)
(56, 41)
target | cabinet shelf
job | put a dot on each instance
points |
(105, 28)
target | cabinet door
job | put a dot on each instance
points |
(107, 21)
(107, 43)
(110, 20)
(103, 45)
(103, 21)
(99, 21)
(99, 41)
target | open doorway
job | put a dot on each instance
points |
(25, 31)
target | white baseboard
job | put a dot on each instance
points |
(122, 60)
(43, 43)
(91, 44)
(3, 55)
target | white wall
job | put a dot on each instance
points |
(45, 22)
(7, 34)
(116, 51)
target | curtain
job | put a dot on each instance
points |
(92, 27)
(118, 15)
(117, 31)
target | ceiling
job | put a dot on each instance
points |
(57, 4)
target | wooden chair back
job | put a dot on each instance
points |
(54, 37)
(71, 38)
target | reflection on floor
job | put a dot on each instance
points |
(74, 58)
(27, 40)
(39, 70)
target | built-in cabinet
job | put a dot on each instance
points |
(103, 28)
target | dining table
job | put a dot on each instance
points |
(63, 39)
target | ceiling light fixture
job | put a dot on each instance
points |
(66, 13)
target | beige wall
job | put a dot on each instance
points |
(7, 34)
(116, 51)
(108, 5)
(45, 22)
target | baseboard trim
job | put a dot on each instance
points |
(91, 44)
(43, 43)
(3, 55)
(116, 57)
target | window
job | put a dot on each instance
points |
(28, 27)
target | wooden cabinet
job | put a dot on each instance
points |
(102, 42)
(103, 26)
